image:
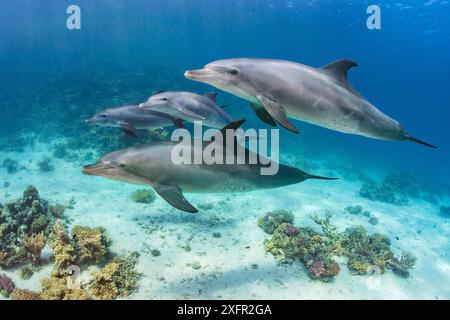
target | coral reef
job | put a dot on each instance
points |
(33, 245)
(57, 289)
(91, 244)
(11, 166)
(45, 165)
(365, 251)
(6, 285)
(395, 189)
(57, 210)
(382, 192)
(270, 222)
(21, 294)
(86, 246)
(404, 264)
(24, 224)
(316, 250)
(63, 250)
(26, 272)
(117, 279)
(143, 196)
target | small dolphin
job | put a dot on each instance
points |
(152, 165)
(189, 107)
(322, 96)
(130, 118)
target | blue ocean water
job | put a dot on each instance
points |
(52, 78)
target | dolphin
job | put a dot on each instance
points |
(189, 107)
(130, 118)
(321, 96)
(152, 164)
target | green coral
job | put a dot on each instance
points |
(143, 196)
(270, 222)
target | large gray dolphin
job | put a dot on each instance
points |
(152, 165)
(130, 118)
(322, 96)
(189, 107)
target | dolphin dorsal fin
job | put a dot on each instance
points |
(212, 96)
(339, 69)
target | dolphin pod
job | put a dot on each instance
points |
(275, 89)
(322, 96)
(152, 165)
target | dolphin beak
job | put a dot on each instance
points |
(93, 169)
(199, 74)
(91, 120)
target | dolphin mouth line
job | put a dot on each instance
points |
(201, 73)
(91, 170)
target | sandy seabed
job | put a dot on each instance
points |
(234, 264)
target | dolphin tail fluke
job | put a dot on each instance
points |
(320, 178)
(409, 138)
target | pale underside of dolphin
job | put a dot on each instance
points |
(152, 165)
(279, 89)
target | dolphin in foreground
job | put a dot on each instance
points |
(189, 107)
(322, 96)
(152, 165)
(130, 118)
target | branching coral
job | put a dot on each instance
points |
(117, 279)
(289, 244)
(34, 244)
(91, 244)
(365, 251)
(404, 264)
(21, 294)
(270, 222)
(57, 289)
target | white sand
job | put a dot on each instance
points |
(226, 262)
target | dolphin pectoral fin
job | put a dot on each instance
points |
(277, 113)
(174, 196)
(128, 129)
(212, 96)
(177, 122)
(262, 114)
(191, 114)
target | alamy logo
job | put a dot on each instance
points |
(374, 20)
(73, 22)
(227, 148)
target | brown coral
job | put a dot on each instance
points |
(63, 251)
(91, 244)
(23, 294)
(33, 245)
(57, 289)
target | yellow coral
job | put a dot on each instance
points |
(103, 286)
(20, 294)
(92, 244)
(33, 245)
(57, 289)
(63, 251)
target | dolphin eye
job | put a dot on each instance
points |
(233, 71)
(103, 115)
(122, 165)
(164, 99)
